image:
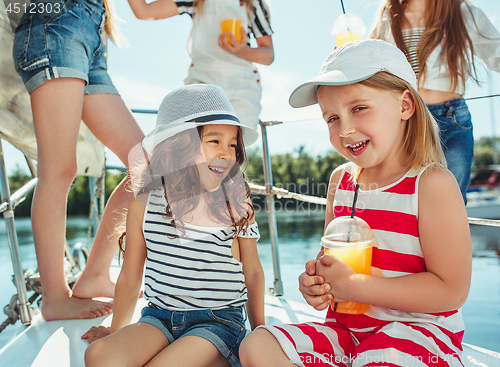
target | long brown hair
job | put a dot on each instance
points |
(445, 25)
(172, 168)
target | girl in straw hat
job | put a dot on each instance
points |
(192, 224)
(421, 268)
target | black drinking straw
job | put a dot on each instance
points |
(352, 212)
(354, 200)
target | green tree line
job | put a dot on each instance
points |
(297, 172)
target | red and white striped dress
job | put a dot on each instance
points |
(382, 336)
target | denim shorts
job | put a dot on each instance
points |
(224, 328)
(62, 39)
(455, 125)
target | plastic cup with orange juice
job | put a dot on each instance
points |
(231, 26)
(348, 27)
(351, 240)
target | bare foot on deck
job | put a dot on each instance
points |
(66, 308)
(90, 286)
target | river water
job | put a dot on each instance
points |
(299, 235)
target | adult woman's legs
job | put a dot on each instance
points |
(57, 110)
(113, 124)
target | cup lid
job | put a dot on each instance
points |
(347, 229)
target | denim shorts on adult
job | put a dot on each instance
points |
(62, 39)
(224, 328)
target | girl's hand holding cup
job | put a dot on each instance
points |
(313, 287)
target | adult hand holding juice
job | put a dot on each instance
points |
(231, 26)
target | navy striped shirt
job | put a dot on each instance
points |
(195, 270)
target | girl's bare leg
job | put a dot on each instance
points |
(261, 349)
(113, 124)
(133, 345)
(192, 351)
(57, 110)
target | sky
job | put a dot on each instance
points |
(156, 62)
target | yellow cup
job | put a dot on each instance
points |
(358, 255)
(233, 26)
(343, 37)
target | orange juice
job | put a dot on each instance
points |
(233, 26)
(358, 255)
(343, 37)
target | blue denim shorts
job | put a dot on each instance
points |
(224, 328)
(62, 39)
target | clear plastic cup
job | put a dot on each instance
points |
(348, 27)
(351, 240)
(231, 26)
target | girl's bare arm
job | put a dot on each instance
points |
(254, 280)
(130, 279)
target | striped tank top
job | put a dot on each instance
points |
(195, 270)
(411, 37)
(392, 214)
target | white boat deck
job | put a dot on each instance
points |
(58, 343)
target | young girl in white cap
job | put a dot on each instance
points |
(218, 58)
(192, 223)
(421, 268)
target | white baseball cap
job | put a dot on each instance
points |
(351, 63)
(194, 105)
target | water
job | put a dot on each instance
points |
(299, 236)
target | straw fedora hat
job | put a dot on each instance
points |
(191, 106)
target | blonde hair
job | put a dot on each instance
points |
(421, 140)
(110, 26)
(445, 26)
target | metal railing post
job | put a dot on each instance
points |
(8, 215)
(273, 229)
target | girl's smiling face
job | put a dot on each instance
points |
(366, 125)
(218, 143)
